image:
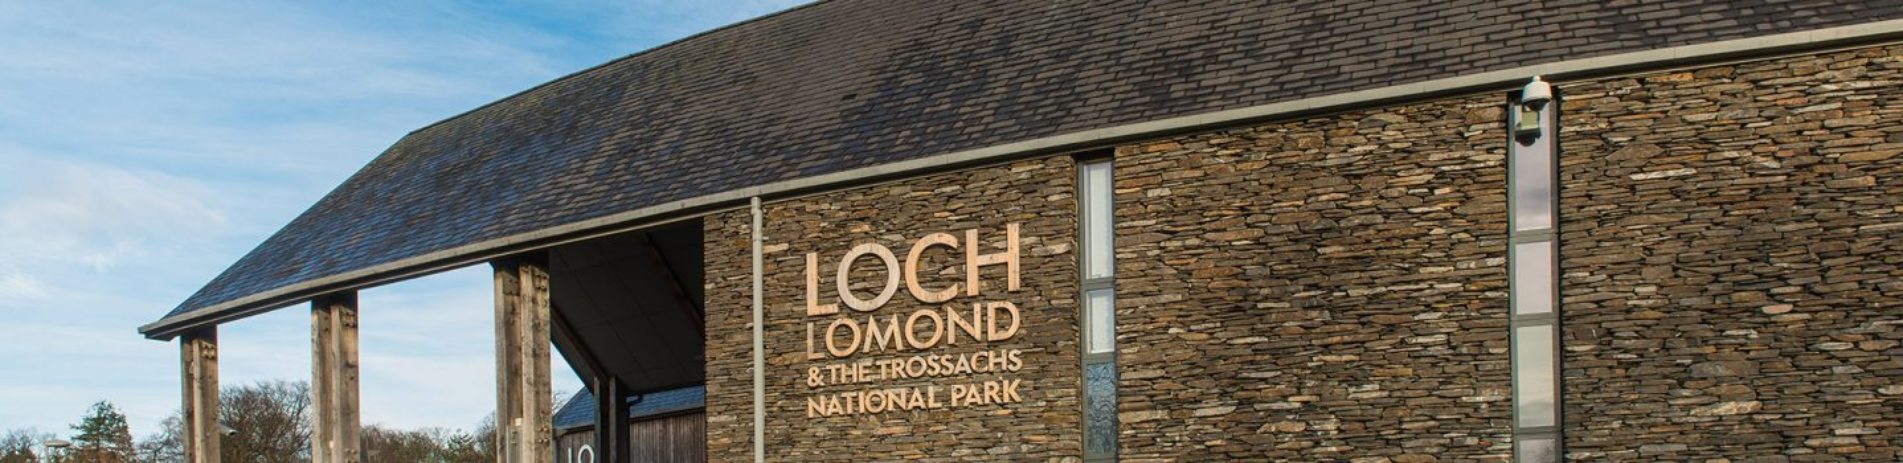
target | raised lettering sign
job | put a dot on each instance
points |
(863, 346)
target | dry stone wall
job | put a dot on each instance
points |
(1330, 289)
(1038, 195)
(1732, 240)
(729, 348)
(1334, 288)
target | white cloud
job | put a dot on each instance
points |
(16, 285)
(60, 213)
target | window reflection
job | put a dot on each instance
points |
(1100, 403)
(1533, 386)
(1099, 239)
(1540, 450)
(1533, 277)
(1103, 325)
(1532, 187)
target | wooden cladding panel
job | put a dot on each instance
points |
(670, 439)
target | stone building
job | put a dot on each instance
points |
(1165, 231)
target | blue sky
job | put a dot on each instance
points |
(144, 146)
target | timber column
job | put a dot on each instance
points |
(198, 354)
(336, 427)
(524, 402)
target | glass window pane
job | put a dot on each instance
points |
(1540, 450)
(1533, 376)
(1533, 277)
(1100, 409)
(1533, 184)
(1101, 307)
(1099, 237)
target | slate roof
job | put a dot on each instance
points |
(579, 410)
(842, 84)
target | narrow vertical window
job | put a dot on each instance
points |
(1532, 262)
(1100, 305)
(1533, 272)
(1099, 258)
(1098, 314)
(1533, 382)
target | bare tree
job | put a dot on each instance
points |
(476, 446)
(20, 445)
(166, 446)
(384, 445)
(270, 423)
(271, 420)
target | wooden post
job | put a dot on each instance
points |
(337, 423)
(524, 403)
(198, 355)
(323, 360)
(538, 405)
(611, 420)
(508, 406)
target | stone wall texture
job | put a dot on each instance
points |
(1334, 288)
(1330, 289)
(1038, 194)
(1731, 240)
(729, 349)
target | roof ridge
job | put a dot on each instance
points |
(612, 62)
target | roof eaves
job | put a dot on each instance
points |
(1663, 58)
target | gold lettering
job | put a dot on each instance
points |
(813, 307)
(891, 277)
(915, 366)
(875, 406)
(833, 330)
(970, 327)
(813, 407)
(911, 329)
(974, 261)
(832, 405)
(886, 340)
(810, 353)
(895, 399)
(991, 322)
(911, 268)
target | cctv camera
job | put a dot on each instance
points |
(227, 431)
(1536, 93)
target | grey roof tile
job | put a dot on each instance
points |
(843, 84)
(579, 409)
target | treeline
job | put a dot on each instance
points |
(266, 422)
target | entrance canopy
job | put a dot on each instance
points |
(629, 307)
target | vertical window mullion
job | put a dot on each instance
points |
(1097, 308)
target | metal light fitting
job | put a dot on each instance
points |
(1526, 124)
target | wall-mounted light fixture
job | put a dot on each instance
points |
(1534, 96)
